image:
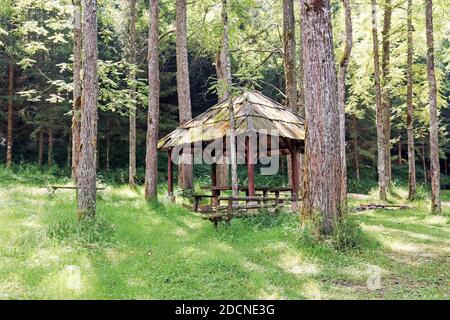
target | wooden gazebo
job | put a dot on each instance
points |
(254, 113)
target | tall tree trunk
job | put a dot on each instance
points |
(410, 112)
(41, 147)
(343, 65)
(76, 116)
(87, 170)
(385, 60)
(290, 65)
(399, 152)
(69, 152)
(9, 134)
(226, 79)
(380, 119)
(446, 165)
(322, 194)
(223, 70)
(151, 159)
(184, 93)
(50, 147)
(434, 130)
(132, 111)
(107, 142)
(424, 163)
(289, 55)
(355, 148)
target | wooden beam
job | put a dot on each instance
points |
(295, 182)
(250, 168)
(169, 173)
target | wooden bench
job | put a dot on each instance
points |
(233, 209)
(54, 188)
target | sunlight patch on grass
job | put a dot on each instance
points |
(311, 290)
(116, 256)
(271, 293)
(180, 232)
(437, 221)
(293, 263)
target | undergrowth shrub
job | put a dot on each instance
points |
(266, 219)
(347, 235)
(96, 230)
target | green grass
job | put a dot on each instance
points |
(138, 251)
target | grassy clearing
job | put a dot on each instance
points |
(140, 251)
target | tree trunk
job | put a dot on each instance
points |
(379, 111)
(322, 194)
(69, 153)
(76, 116)
(424, 162)
(234, 176)
(343, 65)
(434, 129)
(41, 147)
(399, 152)
(289, 55)
(9, 134)
(132, 111)
(446, 165)
(385, 60)
(410, 112)
(355, 148)
(184, 94)
(223, 70)
(151, 159)
(289, 64)
(88, 135)
(107, 142)
(50, 147)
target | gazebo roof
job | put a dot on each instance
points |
(252, 112)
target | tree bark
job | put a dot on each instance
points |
(69, 152)
(434, 129)
(410, 106)
(355, 148)
(385, 61)
(289, 55)
(424, 163)
(322, 194)
(41, 147)
(76, 116)
(379, 108)
(223, 70)
(107, 147)
(343, 65)
(132, 110)
(9, 134)
(50, 147)
(151, 160)
(184, 93)
(87, 170)
(290, 65)
(399, 152)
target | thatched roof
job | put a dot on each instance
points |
(252, 111)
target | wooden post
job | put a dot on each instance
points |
(214, 200)
(294, 171)
(250, 168)
(170, 174)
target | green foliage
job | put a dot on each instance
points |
(348, 235)
(89, 231)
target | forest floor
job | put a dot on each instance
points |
(163, 251)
